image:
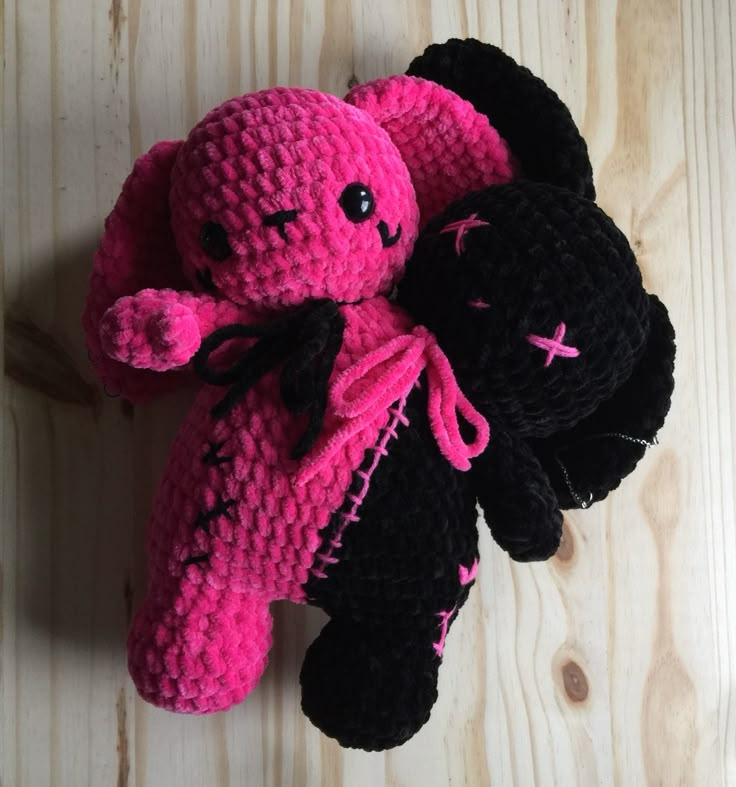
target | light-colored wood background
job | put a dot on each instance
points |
(613, 664)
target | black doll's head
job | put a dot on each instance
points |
(536, 298)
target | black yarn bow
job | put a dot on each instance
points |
(306, 341)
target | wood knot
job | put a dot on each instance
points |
(575, 682)
(36, 360)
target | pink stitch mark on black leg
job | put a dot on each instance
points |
(444, 617)
(467, 575)
(347, 517)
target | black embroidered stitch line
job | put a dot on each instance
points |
(212, 457)
(204, 277)
(194, 559)
(279, 220)
(222, 508)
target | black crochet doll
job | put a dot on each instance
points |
(536, 299)
(539, 305)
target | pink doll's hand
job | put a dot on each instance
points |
(150, 330)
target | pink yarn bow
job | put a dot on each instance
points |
(358, 397)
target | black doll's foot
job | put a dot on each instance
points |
(533, 546)
(532, 539)
(370, 688)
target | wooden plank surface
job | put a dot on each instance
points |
(613, 664)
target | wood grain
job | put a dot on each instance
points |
(613, 664)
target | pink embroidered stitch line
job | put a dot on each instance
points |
(554, 346)
(467, 575)
(444, 624)
(347, 517)
(461, 228)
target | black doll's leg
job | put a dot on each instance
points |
(373, 685)
(369, 686)
(370, 678)
(392, 576)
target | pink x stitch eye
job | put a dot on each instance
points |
(554, 346)
(461, 227)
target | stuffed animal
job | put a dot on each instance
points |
(341, 439)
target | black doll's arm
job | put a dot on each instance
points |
(517, 499)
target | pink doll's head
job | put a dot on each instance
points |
(286, 195)
(290, 194)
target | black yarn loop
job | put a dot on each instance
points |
(306, 341)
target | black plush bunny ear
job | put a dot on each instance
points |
(529, 115)
(590, 460)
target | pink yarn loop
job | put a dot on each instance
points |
(362, 392)
(404, 355)
(446, 400)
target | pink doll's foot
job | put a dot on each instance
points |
(204, 653)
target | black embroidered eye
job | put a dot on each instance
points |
(213, 239)
(357, 202)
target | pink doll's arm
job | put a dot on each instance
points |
(162, 329)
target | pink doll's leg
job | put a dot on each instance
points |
(201, 651)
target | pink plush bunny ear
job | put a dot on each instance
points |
(449, 148)
(137, 251)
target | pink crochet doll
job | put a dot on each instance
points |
(286, 216)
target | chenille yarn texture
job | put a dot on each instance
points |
(340, 439)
